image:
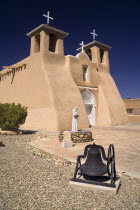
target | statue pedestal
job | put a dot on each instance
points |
(67, 144)
(67, 139)
(80, 136)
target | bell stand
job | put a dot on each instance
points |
(110, 162)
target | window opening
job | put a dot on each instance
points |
(37, 40)
(88, 52)
(85, 73)
(129, 111)
(101, 55)
(52, 43)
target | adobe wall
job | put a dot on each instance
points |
(65, 91)
(134, 118)
(110, 109)
(75, 68)
(76, 64)
(47, 88)
(132, 103)
(30, 88)
(111, 99)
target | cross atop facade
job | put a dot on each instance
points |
(94, 34)
(48, 17)
(82, 44)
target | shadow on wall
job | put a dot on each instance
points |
(12, 72)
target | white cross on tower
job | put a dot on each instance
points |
(94, 34)
(82, 44)
(48, 17)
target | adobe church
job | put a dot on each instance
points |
(51, 84)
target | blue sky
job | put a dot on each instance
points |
(116, 22)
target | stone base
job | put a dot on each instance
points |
(95, 187)
(67, 144)
(80, 136)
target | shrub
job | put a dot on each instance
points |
(12, 116)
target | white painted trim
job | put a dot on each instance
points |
(87, 87)
(92, 104)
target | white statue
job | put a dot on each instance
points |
(75, 119)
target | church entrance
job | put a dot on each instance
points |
(90, 105)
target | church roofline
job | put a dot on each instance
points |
(45, 26)
(95, 43)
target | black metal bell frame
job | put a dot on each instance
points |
(94, 166)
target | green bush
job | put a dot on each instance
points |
(12, 116)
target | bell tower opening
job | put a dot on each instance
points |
(88, 52)
(101, 55)
(52, 42)
(37, 43)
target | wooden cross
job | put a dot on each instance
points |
(94, 34)
(48, 17)
(82, 44)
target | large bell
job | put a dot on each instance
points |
(94, 165)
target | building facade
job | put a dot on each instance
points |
(51, 84)
(133, 109)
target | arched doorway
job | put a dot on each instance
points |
(90, 105)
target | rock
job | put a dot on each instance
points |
(1, 144)
(8, 132)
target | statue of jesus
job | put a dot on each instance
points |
(75, 119)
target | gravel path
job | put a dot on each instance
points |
(29, 181)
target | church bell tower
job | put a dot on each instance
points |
(45, 39)
(97, 52)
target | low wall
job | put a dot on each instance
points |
(132, 103)
(78, 137)
(134, 118)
